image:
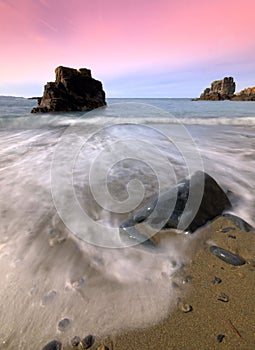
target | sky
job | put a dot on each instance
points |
(137, 48)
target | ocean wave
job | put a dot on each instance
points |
(240, 121)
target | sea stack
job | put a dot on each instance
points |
(220, 90)
(247, 94)
(73, 90)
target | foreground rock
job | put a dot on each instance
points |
(73, 90)
(187, 206)
(220, 90)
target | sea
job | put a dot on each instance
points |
(67, 182)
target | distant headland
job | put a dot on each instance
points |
(73, 90)
(225, 90)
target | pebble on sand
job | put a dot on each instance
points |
(75, 341)
(223, 297)
(64, 324)
(53, 345)
(87, 342)
(220, 337)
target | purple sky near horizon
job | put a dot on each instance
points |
(139, 48)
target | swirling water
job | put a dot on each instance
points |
(78, 175)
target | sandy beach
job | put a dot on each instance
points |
(195, 285)
(220, 297)
(55, 286)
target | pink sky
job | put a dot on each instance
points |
(127, 44)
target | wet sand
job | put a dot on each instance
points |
(129, 314)
(210, 317)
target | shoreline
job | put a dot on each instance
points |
(222, 309)
(209, 317)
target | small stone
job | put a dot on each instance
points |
(75, 341)
(217, 280)
(53, 345)
(64, 324)
(103, 347)
(223, 297)
(78, 283)
(227, 229)
(87, 342)
(49, 297)
(183, 306)
(232, 236)
(187, 279)
(220, 337)
(56, 240)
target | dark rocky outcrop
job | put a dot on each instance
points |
(195, 201)
(220, 90)
(73, 90)
(225, 90)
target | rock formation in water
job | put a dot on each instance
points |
(73, 90)
(225, 90)
(220, 90)
(247, 94)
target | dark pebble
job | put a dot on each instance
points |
(88, 341)
(175, 285)
(227, 256)
(220, 337)
(49, 297)
(227, 229)
(64, 324)
(232, 236)
(223, 297)
(75, 341)
(53, 345)
(217, 280)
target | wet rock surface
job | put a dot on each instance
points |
(227, 256)
(73, 90)
(187, 206)
(239, 222)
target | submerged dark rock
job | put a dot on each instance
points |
(53, 345)
(73, 90)
(64, 324)
(187, 206)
